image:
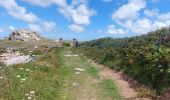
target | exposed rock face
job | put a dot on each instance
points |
(24, 35)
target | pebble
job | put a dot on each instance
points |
(75, 84)
(70, 55)
(77, 73)
(35, 47)
(17, 60)
(1, 77)
(79, 69)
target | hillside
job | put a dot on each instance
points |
(162, 35)
(145, 58)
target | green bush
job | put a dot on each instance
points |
(146, 58)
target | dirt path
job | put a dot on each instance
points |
(106, 73)
(126, 90)
(80, 80)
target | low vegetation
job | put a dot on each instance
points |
(33, 80)
(146, 58)
(54, 76)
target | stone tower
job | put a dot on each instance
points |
(75, 42)
(60, 42)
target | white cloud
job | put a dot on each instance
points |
(34, 22)
(164, 17)
(79, 15)
(46, 3)
(130, 10)
(76, 28)
(136, 18)
(11, 28)
(77, 11)
(113, 30)
(43, 26)
(154, 1)
(106, 0)
(48, 26)
(35, 27)
(143, 25)
(1, 30)
(151, 13)
(78, 2)
(17, 11)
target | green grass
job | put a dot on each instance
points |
(94, 72)
(52, 77)
(42, 78)
(110, 89)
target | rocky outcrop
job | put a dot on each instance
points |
(24, 35)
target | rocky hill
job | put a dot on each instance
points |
(24, 35)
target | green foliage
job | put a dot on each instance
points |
(66, 44)
(146, 58)
(37, 52)
(93, 71)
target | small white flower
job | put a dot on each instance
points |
(32, 92)
(27, 69)
(27, 94)
(29, 98)
(161, 70)
(23, 79)
(21, 68)
(18, 76)
(36, 67)
(1, 77)
(160, 66)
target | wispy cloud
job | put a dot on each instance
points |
(134, 20)
(17, 11)
(77, 12)
(1, 30)
(76, 28)
(107, 1)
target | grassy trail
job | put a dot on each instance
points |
(86, 84)
(58, 75)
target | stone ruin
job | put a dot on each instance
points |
(75, 42)
(60, 42)
(24, 35)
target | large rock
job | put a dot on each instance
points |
(24, 35)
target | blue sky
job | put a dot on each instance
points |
(84, 19)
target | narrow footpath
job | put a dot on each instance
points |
(81, 80)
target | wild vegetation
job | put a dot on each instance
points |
(145, 58)
(55, 76)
